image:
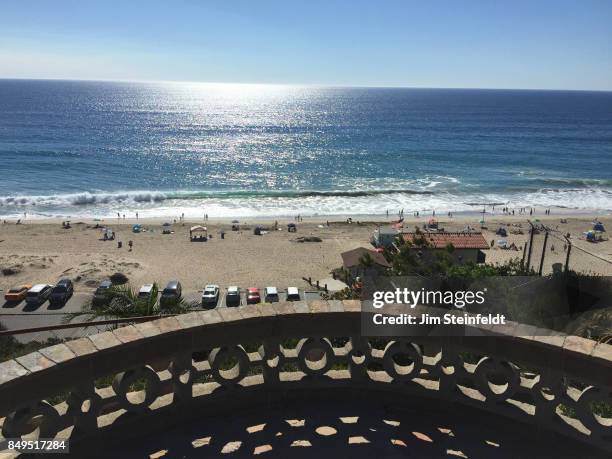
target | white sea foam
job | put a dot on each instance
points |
(270, 204)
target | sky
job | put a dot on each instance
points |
(539, 44)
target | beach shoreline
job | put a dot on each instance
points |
(382, 218)
(44, 251)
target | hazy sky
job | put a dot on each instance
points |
(555, 44)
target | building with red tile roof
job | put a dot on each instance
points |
(440, 240)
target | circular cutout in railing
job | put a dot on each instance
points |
(496, 380)
(229, 365)
(37, 420)
(315, 356)
(137, 389)
(402, 360)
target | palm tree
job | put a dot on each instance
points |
(123, 302)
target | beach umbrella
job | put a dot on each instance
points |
(235, 221)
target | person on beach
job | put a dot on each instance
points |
(130, 244)
(136, 215)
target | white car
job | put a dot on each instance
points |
(145, 291)
(270, 294)
(38, 294)
(293, 294)
(210, 296)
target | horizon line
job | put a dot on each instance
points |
(311, 85)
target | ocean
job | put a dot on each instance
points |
(74, 149)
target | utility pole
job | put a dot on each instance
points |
(531, 231)
(543, 253)
(567, 257)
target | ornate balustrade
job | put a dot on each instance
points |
(142, 377)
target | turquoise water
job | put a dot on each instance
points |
(98, 148)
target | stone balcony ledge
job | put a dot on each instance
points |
(230, 356)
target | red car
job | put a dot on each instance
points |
(253, 296)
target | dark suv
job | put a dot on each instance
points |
(61, 293)
(170, 295)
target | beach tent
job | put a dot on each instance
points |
(502, 243)
(598, 226)
(590, 236)
(136, 228)
(291, 228)
(167, 224)
(198, 233)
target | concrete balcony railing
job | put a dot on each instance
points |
(141, 378)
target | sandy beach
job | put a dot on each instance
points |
(42, 251)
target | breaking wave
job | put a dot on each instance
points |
(248, 203)
(84, 199)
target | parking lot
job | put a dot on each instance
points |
(282, 296)
(21, 315)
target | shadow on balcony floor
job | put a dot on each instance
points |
(367, 430)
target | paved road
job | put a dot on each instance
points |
(21, 315)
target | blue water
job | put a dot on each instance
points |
(97, 148)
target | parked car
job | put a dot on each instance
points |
(210, 296)
(16, 294)
(145, 291)
(38, 294)
(171, 294)
(101, 297)
(253, 296)
(293, 294)
(271, 294)
(62, 292)
(232, 298)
